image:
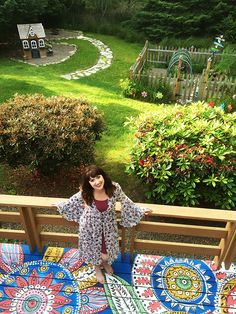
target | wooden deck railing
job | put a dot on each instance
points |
(216, 226)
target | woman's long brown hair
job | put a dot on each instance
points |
(87, 191)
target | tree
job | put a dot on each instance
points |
(158, 19)
(100, 7)
(14, 12)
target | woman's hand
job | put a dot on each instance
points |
(55, 204)
(147, 211)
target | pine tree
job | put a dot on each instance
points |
(172, 18)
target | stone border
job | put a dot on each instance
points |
(104, 61)
(71, 53)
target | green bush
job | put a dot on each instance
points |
(226, 102)
(187, 155)
(160, 92)
(227, 64)
(47, 133)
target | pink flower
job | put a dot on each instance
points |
(209, 160)
(230, 107)
(144, 94)
(141, 162)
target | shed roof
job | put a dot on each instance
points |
(24, 30)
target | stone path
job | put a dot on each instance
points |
(63, 51)
(104, 61)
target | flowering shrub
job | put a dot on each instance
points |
(226, 103)
(46, 133)
(187, 155)
(142, 90)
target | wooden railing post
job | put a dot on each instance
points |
(230, 256)
(35, 229)
(132, 241)
(228, 246)
(28, 228)
(123, 232)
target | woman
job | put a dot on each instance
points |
(93, 207)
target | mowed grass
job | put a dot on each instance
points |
(100, 89)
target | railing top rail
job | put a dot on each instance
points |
(158, 210)
(28, 201)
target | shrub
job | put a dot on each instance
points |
(47, 133)
(227, 63)
(226, 102)
(187, 155)
(160, 92)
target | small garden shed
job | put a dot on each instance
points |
(32, 37)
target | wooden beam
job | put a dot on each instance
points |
(10, 216)
(12, 234)
(178, 247)
(228, 251)
(35, 229)
(123, 239)
(59, 237)
(225, 242)
(46, 219)
(29, 201)
(190, 230)
(63, 237)
(29, 235)
(194, 213)
(158, 210)
(58, 220)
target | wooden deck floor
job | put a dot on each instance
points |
(56, 281)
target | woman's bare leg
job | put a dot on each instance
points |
(108, 268)
(99, 274)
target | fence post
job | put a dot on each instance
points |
(178, 79)
(205, 79)
(131, 73)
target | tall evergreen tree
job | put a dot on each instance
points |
(173, 18)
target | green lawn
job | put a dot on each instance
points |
(101, 89)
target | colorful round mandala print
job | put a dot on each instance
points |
(184, 284)
(40, 287)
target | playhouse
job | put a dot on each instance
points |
(32, 37)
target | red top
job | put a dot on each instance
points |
(102, 207)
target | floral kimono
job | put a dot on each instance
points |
(92, 223)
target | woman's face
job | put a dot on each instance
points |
(97, 182)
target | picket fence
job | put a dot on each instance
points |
(186, 88)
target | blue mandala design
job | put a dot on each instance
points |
(184, 285)
(40, 287)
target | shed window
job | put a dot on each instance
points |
(25, 44)
(34, 44)
(41, 43)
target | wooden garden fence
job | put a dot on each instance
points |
(218, 227)
(189, 87)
